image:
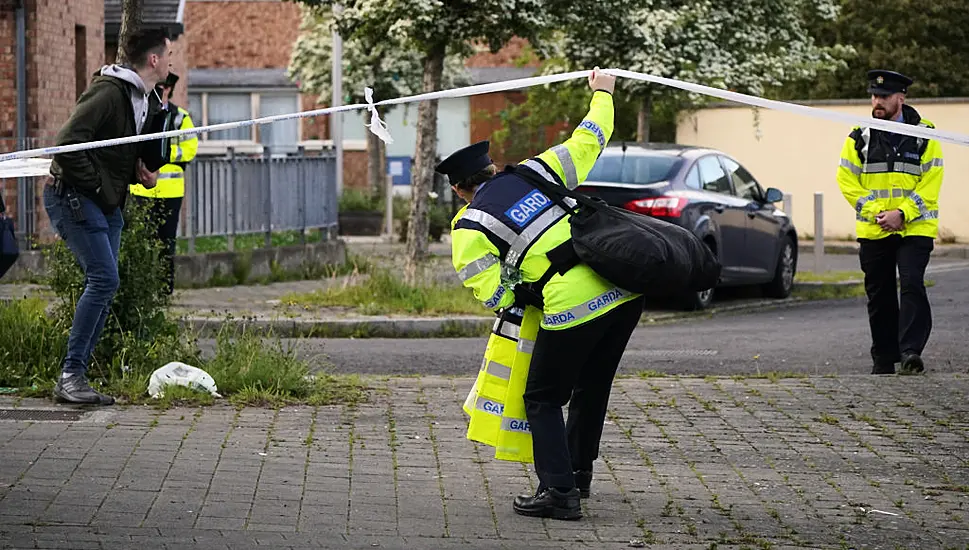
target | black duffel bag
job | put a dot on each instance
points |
(633, 251)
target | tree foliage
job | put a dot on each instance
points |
(928, 41)
(435, 29)
(743, 45)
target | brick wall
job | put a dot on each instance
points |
(51, 74)
(8, 70)
(50, 44)
(239, 34)
(247, 34)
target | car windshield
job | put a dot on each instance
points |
(642, 169)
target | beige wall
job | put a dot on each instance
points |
(800, 155)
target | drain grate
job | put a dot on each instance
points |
(41, 415)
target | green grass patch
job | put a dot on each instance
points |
(383, 292)
(828, 276)
(32, 343)
(828, 292)
(246, 370)
(247, 241)
(242, 269)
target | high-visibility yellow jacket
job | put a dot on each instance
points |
(881, 171)
(171, 177)
(501, 238)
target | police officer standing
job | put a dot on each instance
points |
(165, 199)
(893, 181)
(511, 238)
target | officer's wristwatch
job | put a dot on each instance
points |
(902, 214)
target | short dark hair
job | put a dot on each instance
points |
(477, 178)
(143, 42)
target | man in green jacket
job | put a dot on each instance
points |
(89, 188)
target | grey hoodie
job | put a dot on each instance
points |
(139, 96)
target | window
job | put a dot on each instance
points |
(712, 176)
(209, 108)
(224, 108)
(279, 134)
(644, 169)
(80, 60)
(744, 184)
(693, 178)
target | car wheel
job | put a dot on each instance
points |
(698, 301)
(783, 282)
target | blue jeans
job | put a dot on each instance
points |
(95, 242)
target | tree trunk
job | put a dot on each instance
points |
(376, 164)
(424, 161)
(642, 122)
(130, 22)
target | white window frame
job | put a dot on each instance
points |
(252, 145)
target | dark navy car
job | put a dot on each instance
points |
(711, 194)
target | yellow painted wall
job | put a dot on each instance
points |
(800, 155)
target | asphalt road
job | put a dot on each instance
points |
(829, 337)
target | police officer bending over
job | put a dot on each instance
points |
(512, 233)
(893, 181)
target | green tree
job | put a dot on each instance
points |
(435, 29)
(384, 65)
(928, 41)
(743, 45)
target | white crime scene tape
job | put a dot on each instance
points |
(25, 163)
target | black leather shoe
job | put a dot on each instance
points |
(550, 503)
(883, 369)
(912, 364)
(583, 481)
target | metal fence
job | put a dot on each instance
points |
(229, 195)
(236, 195)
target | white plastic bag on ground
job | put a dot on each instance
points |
(181, 374)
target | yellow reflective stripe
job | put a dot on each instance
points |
(489, 406)
(595, 129)
(565, 159)
(498, 370)
(931, 164)
(178, 154)
(171, 175)
(532, 231)
(897, 167)
(586, 309)
(540, 170)
(476, 267)
(515, 425)
(490, 223)
(525, 345)
(861, 203)
(855, 169)
(492, 303)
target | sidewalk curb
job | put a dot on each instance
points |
(440, 327)
(434, 327)
(940, 251)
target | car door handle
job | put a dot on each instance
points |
(719, 208)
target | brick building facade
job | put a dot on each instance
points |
(64, 46)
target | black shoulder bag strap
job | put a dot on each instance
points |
(563, 257)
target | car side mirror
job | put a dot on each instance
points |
(773, 195)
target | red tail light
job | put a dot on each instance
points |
(665, 207)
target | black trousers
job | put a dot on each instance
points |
(575, 366)
(166, 212)
(896, 328)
